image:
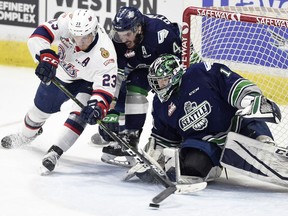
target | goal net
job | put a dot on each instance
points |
(251, 41)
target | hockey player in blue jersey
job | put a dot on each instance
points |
(194, 111)
(139, 39)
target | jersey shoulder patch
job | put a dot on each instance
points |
(162, 34)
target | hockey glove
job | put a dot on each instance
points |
(48, 63)
(111, 121)
(261, 108)
(93, 112)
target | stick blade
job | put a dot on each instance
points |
(164, 194)
(190, 188)
(179, 189)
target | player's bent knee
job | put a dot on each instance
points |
(194, 162)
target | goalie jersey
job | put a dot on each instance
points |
(204, 105)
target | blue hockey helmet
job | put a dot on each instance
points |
(165, 75)
(127, 18)
(127, 27)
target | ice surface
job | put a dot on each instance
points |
(84, 186)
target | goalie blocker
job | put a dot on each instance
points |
(256, 159)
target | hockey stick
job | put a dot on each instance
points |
(67, 92)
(140, 158)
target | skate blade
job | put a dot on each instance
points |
(117, 161)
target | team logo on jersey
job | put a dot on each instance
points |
(171, 109)
(104, 53)
(61, 52)
(195, 116)
(69, 69)
(162, 34)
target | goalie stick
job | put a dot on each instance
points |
(154, 171)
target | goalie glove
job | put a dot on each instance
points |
(261, 108)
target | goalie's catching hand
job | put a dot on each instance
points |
(261, 108)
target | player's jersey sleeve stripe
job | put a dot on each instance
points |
(102, 95)
(43, 32)
(240, 88)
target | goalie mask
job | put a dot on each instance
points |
(164, 76)
(127, 27)
(83, 27)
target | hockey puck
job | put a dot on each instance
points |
(96, 139)
(154, 205)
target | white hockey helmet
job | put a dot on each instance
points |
(83, 22)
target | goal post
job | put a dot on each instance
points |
(252, 41)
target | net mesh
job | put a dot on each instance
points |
(257, 49)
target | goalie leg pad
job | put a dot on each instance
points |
(255, 159)
(169, 165)
(163, 158)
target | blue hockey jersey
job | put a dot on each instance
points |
(204, 105)
(160, 37)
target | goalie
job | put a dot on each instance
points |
(193, 111)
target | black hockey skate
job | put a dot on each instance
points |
(115, 154)
(50, 159)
